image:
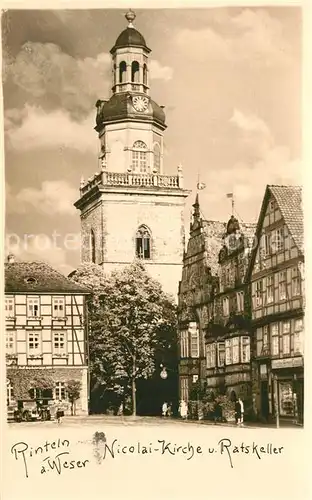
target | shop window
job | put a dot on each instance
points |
(286, 399)
(143, 243)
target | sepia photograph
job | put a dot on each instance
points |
(154, 236)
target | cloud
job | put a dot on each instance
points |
(159, 72)
(250, 123)
(253, 37)
(33, 128)
(54, 197)
(57, 80)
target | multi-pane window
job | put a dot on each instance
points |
(270, 289)
(282, 276)
(34, 346)
(235, 350)
(60, 391)
(221, 353)
(240, 301)
(10, 393)
(211, 355)
(225, 306)
(59, 343)
(277, 240)
(9, 307)
(286, 337)
(245, 349)
(295, 282)
(184, 345)
(33, 307)
(258, 293)
(58, 307)
(274, 339)
(194, 340)
(10, 342)
(143, 243)
(228, 352)
(298, 336)
(139, 157)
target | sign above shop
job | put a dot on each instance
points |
(287, 362)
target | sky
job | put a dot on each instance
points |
(230, 81)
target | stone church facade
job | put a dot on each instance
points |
(130, 208)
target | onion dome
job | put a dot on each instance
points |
(130, 37)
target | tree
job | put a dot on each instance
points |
(130, 316)
(73, 388)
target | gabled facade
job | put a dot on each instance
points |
(228, 333)
(276, 275)
(46, 333)
(197, 286)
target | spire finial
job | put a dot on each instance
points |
(130, 16)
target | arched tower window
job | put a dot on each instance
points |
(144, 74)
(92, 246)
(139, 157)
(157, 158)
(135, 72)
(143, 243)
(115, 74)
(122, 72)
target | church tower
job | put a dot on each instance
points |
(131, 208)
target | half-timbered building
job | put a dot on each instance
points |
(46, 334)
(276, 275)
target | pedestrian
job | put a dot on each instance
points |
(59, 412)
(169, 409)
(164, 409)
(120, 410)
(217, 412)
(241, 411)
(237, 412)
(183, 409)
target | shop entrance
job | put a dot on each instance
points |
(264, 400)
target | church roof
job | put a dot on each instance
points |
(36, 277)
(130, 37)
(119, 107)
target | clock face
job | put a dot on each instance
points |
(140, 103)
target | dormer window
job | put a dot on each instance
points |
(143, 243)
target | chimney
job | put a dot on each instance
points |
(11, 258)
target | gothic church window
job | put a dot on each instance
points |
(135, 72)
(139, 157)
(122, 72)
(143, 243)
(92, 246)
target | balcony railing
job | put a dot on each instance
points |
(126, 179)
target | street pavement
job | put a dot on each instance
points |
(92, 420)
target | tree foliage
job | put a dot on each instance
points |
(73, 388)
(132, 324)
(23, 380)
